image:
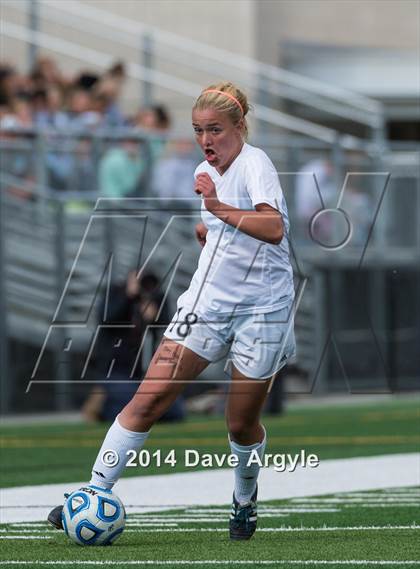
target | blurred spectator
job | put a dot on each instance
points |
(40, 108)
(16, 157)
(173, 174)
(90, 99)
(120, 170)
(61, 106)
(47, 109)
(102, 105)
(8, 81)
(156, 120)
(358, 205)
(86, 81)
(81, 113)
(21, 110)
(107, 93)
(84, 174)
(14, 100)
(4, 105)
(152, 304)
(136, 302)
(46, 73)
(70, 164)
(313, 182)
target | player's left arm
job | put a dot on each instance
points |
(265, 223)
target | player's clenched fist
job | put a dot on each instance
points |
(200, 233)
(204, 185)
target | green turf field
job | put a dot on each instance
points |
(358, 529)
(330, 432)
(365, 526)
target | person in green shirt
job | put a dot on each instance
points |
(120, 170)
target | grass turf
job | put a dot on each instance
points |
(42, 454)
(38, 454)
(204, 542)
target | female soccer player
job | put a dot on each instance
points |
(239, 302)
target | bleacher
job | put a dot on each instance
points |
(59, 248)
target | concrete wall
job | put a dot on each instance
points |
(227, 25)
(362, 23)
(251, 27)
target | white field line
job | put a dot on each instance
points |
(24, 530)
(270, 530)
(192, 520)
(343, 500)
(154, 524)
(136, 523)
(412, 489)
(24, 537)
(223, 516)
(399, 495)
(208, 520)
(417, 506)
(375, 494)
(282, 530)
(386, 496)
(213, 487)
(261, 510)
(207, 562)
(263, 514)
(51, 530)
(194, 514)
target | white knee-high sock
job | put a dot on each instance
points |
(246, 476)
(112, 457)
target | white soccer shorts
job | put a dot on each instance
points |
(259, 345)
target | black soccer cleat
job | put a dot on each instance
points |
(243, 518)
(54, 517)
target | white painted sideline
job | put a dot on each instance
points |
(24, 537)
(235, 562)
(15, 531)
(214, 487)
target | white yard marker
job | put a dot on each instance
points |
(417, 506)
(265, 512)
(268, 529)
(350, 499)
(288, 529)
(234, 562)
(23, 537)
(399, 495)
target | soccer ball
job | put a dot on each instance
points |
(93, 516)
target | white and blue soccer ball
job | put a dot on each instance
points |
(93, 516)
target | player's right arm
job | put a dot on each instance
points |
(200, 233)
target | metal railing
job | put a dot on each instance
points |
(362, 169)
(127, 32)
(41, 234)
(173, 83)
(56, 260)
(267, 81)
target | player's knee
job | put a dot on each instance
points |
(146, 411)
(241, 430)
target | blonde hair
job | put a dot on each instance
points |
(235, 104)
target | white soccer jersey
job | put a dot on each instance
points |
(238, 274)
